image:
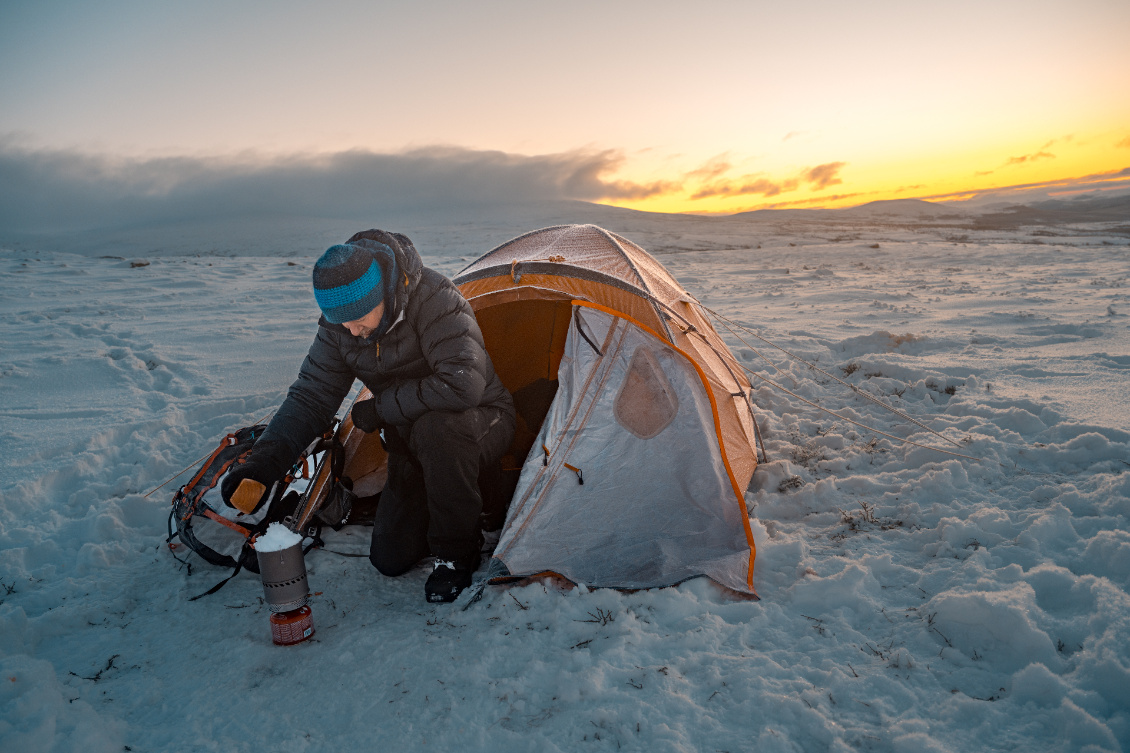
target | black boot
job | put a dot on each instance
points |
(447, 581)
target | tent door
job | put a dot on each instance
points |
(526, 340)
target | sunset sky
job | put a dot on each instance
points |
(701, 106)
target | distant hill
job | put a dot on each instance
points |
(903, 208)
(447, 231)
(1082, 209)
(891, 208)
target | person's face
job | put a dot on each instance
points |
(364, 326)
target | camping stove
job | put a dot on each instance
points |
(284, 584)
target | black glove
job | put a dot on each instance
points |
(266, 465)
(365, 416)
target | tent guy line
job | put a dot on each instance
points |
(726, 322)
(194, 464)
(760, 355)
(857, 423)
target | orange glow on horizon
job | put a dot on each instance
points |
(1073, 163)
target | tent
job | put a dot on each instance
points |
(635, 437)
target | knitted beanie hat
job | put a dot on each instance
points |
(347, 283)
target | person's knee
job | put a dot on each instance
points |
(388, 567)
(388, 561)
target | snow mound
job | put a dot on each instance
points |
(993, 626)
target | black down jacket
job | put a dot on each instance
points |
(426, 355)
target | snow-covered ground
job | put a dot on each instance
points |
(910, 601)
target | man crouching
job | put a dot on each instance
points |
(408, 334)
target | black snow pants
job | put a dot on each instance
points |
(432, 501)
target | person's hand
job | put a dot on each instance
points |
(245, 485)
(365, 416)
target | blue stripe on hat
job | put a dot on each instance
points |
(352, 292)
(353, 311)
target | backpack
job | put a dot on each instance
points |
(222, 535)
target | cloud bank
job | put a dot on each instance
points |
(65, 190)
(818, 178)
(1029, 158)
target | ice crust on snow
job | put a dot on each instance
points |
(276, 538)
(910, 601)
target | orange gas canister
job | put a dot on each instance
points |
(295, 626)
